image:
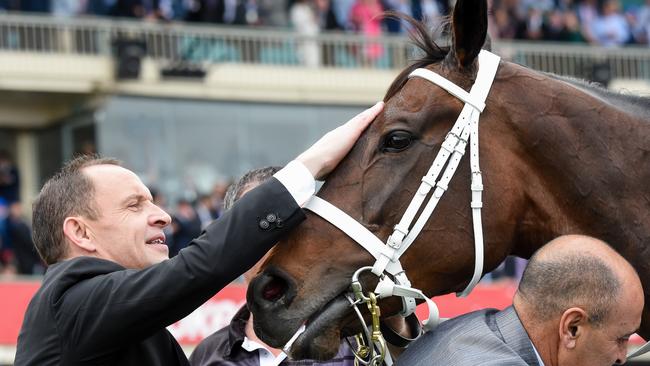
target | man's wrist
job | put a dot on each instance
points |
(298, 180)
(309, 164)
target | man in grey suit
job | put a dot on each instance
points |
(578, 303)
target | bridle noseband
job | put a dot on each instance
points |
(393, 280)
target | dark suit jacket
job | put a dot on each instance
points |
(224, 348)
(485, 337)
(90, 311)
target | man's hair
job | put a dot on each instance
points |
(552, 285)
(236, 189)
(68, 193)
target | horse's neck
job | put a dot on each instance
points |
(591, 162)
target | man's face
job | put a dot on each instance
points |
(606, 344)
(129, 229)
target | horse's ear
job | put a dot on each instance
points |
(469, 29)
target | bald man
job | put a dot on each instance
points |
(578, 303)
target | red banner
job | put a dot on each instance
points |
(217, 312)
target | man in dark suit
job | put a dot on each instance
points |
(237, 343)
(578, 303)
(110, 289)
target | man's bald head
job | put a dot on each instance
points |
(574, 271)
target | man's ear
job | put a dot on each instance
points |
(78, 233)
(573, 324)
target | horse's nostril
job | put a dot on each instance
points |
(274, 290)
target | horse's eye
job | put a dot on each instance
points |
(396, 141)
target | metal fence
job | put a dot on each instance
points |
(176, 43)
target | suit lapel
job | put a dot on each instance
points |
(515, 336)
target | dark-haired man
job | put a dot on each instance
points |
(237, 343)
(578, 303)
(110, 289)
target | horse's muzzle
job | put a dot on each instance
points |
(268, 297)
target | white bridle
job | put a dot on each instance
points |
(406, 231)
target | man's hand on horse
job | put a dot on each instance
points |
(322, 157)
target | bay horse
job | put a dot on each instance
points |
(558, 156)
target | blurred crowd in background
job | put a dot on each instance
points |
(17, 253)
(600, 22)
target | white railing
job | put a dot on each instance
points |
(200, 45)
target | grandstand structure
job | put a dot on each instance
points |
(186, 105)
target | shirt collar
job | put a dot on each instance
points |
(266, 357)
(236, 331)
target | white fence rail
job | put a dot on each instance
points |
(200, 45)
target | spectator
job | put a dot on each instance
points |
(610, 28)
(239, 12)
(554, 26)
(100, 7)
(195, 11)
(342, 9)
(25, 256)
(6, 249)
(327, 21)
(505, 20)
(205, 211)
(217, 196)
(542, 5)
(510, 19)
(572, 31)
(128, 9)
(186, 226)
(232, 12)
(561, 315)
(36, 6)
(587, 14)
(400, 6)
(431, 13)
(9, 178)
(170, 9)
(365, 17)
(642, 24)
(273, 13)
(68, 8)
(304, 21)
(326, 17)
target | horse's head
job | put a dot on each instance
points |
(306, 275)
